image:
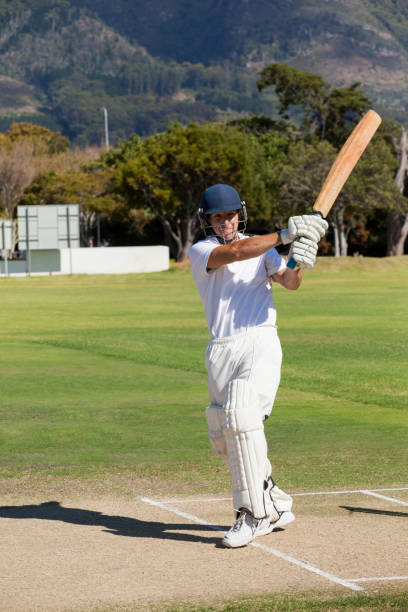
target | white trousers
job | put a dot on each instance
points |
(243, 378)
(254, 356)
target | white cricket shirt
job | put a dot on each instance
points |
(238, 295)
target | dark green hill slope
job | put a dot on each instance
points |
(150, 63)
(208, 30)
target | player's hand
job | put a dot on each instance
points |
(308, 226)
(304, 253)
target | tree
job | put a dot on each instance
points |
(327, 113)
(17, 170)
(299, 176)
(127, 149)
(26, 151)
(369, 188)
(259, 125)
(397, 219)
(166, 179)
(42, 139)
(91, 189)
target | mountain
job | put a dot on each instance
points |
(61, 61)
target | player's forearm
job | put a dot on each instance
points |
(291, 279)
(243, 249)
(255, 246)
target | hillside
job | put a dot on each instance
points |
(344, 41)
(61, 61)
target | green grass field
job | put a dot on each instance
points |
(106, 374)
(285, 603)
(103, 377)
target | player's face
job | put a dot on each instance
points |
(225, 224)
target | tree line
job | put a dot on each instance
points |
(147, 190)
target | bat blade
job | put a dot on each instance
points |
(345, 161)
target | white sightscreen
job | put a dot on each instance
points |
(6, 234)
(48, 226)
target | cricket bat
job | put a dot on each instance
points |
(343, 165)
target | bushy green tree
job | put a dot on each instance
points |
(126, 150)
(328, 113)
(167, 178)
(369, 188)
(42, 139)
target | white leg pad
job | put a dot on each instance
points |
(214, 413)
(247, 449)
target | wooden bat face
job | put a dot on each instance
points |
(345, 161)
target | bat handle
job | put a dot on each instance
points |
(292, 263)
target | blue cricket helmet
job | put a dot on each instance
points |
(220, 198)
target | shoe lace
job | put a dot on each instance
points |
(248, 518)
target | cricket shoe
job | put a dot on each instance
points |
(284, 519)
(246, 528)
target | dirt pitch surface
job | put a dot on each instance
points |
(100, 552)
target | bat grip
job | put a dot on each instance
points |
(292, 263)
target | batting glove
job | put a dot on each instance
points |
(304, 253)
(308, 226)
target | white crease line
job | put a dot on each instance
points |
(345, 492)
(378, 579)
(190, 517)
(391, 499)
(308, 567)
(214, 499)
(325, 493)
(303, 564)
(201, 499)
(390, 489)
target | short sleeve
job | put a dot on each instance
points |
(199, 254)
(274, 262)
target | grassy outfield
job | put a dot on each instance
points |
(390, 602)
(105, 374)
(285, 603)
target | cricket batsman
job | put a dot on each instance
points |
(233, 274)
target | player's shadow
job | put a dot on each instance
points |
(374, 511)
(117, 525)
